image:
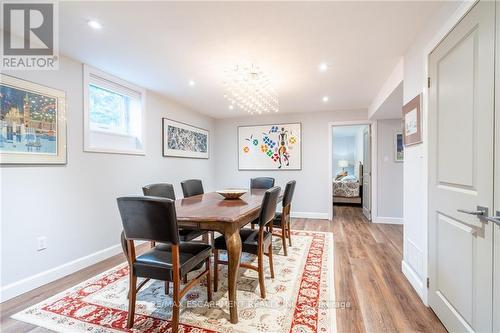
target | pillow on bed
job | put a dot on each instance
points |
(349, 179)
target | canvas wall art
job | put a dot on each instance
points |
(183, 140)
(270, 147)
(32, 123)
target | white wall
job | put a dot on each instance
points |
(313, 183)
(389, 174)
(74, 205)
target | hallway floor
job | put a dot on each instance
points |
(368, 276)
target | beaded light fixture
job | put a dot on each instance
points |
(249, 89)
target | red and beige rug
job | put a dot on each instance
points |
(300, 298)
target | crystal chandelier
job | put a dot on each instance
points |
(249, 89)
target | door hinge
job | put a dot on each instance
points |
(428, 82)
(428, 283)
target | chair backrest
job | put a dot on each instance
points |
(192, 187)
(149, 218)
(269, 203)
(289, 190)
(159, 190)
(264, 183)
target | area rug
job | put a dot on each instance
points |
(299, 299)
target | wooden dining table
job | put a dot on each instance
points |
(210, 211)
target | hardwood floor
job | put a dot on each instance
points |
(368, 279)
(368, 276)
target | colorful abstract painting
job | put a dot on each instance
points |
(31, 123)
(270, 147)
(182, 140)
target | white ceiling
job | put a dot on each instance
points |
(163, 45)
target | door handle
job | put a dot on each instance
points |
(480, 211)
(494, 219)
(471, 212)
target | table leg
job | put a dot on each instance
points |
(233, 243)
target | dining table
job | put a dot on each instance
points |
(212, 212)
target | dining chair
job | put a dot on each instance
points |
(192, 187)
(155, 219)
(264, 183)
(282, 220)
(254, 241)
(165, 190)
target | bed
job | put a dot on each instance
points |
(348, 189)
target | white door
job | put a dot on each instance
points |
(367, 174)
(461, 118)
(496, 233)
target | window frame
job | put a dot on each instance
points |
(90, 74)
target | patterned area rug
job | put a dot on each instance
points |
(299, 299)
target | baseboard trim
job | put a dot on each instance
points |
(413, 278)
(309, 215)
(388, 220)
(32, 282)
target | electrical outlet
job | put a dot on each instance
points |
(42, 243)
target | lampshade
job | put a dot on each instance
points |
(343, 164)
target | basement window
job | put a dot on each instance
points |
(113, 114)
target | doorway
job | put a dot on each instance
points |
(350, 167)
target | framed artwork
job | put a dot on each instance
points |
(412, 121)
(32, 123)
(183, 140)
(398, 147)
(270, 147)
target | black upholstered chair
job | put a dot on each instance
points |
(164, 190)
(282, 220)
(192, 187)
(261, 183)
(254, 241)
(154, 219)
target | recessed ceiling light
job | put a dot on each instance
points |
(323, 67)
(191, 83)
(94, 24)
(231, 106)
(325, 99)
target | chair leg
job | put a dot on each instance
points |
(185, 279)
(283, 239)
(252, 226)
(216, 269)
(209, 282)
(260, 260)
(131, 300)
(176, 298)
(167, 287)
(289, 234)
(271, 266)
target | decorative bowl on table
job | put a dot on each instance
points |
(232, 193)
